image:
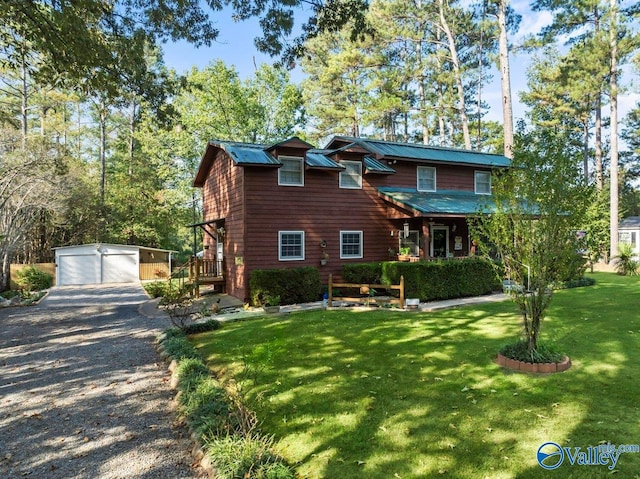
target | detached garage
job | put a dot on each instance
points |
(109, 263)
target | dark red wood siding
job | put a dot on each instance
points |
(223, 198)
(256, 209)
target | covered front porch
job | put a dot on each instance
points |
(429, 226)
(208, 267)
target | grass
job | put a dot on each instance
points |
(386, 394)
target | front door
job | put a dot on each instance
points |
(219, 255)
(439, 241)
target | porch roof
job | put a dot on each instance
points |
(445, 202)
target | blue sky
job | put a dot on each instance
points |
(235, 47)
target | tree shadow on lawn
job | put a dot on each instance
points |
(375, 394)
(599, 328)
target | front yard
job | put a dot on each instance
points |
(411, 395)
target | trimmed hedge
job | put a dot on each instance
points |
(429, 280)
(293, 285)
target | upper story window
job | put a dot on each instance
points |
(483, 182)
(426, 178)
(351, 177)
(350, 244)
(291, 173)
(290, 245)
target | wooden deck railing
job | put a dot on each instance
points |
(365, 290)
(206, 271)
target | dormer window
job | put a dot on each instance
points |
(291, 173)
(483, 182)
(426, 178)
(351, 177)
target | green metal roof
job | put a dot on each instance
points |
(372, 165)
(248, 154)
(316, 159)
(419, 152)
(452, 202)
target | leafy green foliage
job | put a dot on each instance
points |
(537, 211)
(217, 419)
(247, 457)
(209, 325)
(429, 280)
(33, 279)
(625, 263)
(156, 289)
(291, 285)
(544, 353)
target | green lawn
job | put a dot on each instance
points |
(410, 395)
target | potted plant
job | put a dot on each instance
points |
(271, 303)
(403, 254)
(324, 258)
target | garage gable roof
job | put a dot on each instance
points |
(97, 245)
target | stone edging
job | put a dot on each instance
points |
(197, 452)
(525, 367)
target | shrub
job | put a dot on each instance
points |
(156, 289)
(178, 347)
(363, 273)
(248, 457)
(292, 285)
(33, 279)
(206, 407)
(429, 280)
(544, 353)
(209, 325)
(624, 263)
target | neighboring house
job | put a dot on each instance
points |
(629, 232)
(356, 200)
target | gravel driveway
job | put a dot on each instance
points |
(83, 393)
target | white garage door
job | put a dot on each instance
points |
(90, 267)
(78, 269)
(119, 268)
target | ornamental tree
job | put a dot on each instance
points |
(532, 222)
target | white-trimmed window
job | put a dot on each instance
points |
(483, 182)
(351, 177)
(291, 173)
(290, 245)
(350, 244)
(426, 178)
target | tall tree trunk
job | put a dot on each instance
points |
(598, 112)
(422, 95)
(613, 36)
(455, 63)
(598, 143)
(505, 80)
(103, 151)
(585, 150)
(23, 99)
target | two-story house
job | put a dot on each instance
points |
(356, 200)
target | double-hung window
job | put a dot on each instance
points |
(483, 182)
(351, 176)
(291, 173)
(350, 244)
(426, 178)
(291, 245)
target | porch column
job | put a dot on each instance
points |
(426, 240)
